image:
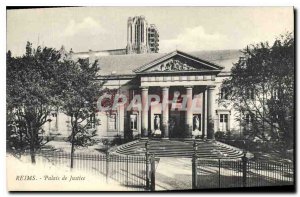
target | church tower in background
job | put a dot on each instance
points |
(141, 37)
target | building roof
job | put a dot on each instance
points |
(126, 64)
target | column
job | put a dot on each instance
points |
(189, 111)
(144, 132)
(210, 112)
(204, 114)
(165, 112)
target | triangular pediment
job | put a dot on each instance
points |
(178, 62)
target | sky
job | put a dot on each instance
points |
(182, 28)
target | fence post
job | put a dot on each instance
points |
(219, 172)
(107, 166)
(127, 169)
(147, 165)
(194, 166)
(244, 161)
(152, 187)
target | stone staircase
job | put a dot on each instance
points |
(169, 148)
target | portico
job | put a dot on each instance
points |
(185, 85)
(204, 111)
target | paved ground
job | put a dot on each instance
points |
(66, 147)
(174, 174)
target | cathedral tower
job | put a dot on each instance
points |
(137, 35)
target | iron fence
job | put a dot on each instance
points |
(131, 171)
(261, 173)
(93, 163)
(229, 173)
(128, 170)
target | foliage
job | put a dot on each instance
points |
(31, 95)
(42, 81)
(266, 72)
(219, 135)
(79, 93)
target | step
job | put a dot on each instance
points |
(206, 149)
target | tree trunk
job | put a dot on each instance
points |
(32, 155)
(74, 130)
(72, 149)
(32, 149)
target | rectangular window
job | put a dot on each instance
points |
(224, 118)
(112, 122)
(223, 122)
(248, 119)
(224, 94)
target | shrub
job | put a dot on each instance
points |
(219, 135)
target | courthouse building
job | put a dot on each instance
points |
(198, 75)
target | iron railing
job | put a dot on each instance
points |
(240, 172)
(136, 172)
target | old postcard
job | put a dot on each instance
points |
(150, 99)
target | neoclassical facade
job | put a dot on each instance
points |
(187, 88)
(179, 73)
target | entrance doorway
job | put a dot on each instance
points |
(176, 127)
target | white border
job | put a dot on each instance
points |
(5, 3)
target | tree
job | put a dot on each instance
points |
(31, 95)
(80, 89)
(262, 87)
